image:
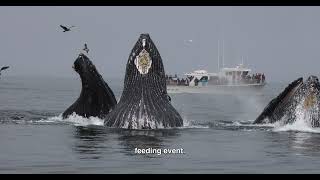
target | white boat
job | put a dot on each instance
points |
(201, 81)
(227, 79)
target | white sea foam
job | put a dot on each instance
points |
(302, 122)
(74, 119)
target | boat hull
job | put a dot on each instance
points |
(212, 89)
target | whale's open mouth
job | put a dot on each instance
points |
(144, 103)
(96, 98)
(299, 100)
(309, 101)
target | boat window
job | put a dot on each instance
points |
(204, 78)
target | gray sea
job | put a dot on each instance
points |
(217, 137)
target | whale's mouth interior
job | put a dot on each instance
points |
(305, 105)
(312, 92)
(313, 83)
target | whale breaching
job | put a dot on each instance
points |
(65, 29)
(298, 99)
(96, 98)
(144, 103)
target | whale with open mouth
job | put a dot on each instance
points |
(296, 99)
(96, 98)
(144, 103)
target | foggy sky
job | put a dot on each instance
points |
(282, 42)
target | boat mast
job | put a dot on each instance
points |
(223, 53)
(218, 55)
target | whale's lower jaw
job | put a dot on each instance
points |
(146, 120)
(144, 112)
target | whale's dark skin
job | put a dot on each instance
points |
(144, 103)
(304, 96)
(96, 98)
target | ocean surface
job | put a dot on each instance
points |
(217, 137)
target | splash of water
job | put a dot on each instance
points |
(303, 120)
(75, 120)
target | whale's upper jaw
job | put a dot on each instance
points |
(313, 83)
(85, 68)
(145, 36)
(144, 59)
(83, 64)
(144, 42)
(87, 71)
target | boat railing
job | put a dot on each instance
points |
(254, 79)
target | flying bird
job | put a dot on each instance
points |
(86, 48)
(3, 68)
(66, 28)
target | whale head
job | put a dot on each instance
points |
(96, 98)
(87, 71)
(144, 103)
(300, 101)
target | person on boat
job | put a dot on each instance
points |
(248, 79)
(186, 82)
(263, 78)
(259, 78)
(182, 81)
(196, 81)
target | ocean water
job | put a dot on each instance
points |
(218, 136)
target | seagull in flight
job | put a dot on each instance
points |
(3, 68)
(66, 28)
(86, 48)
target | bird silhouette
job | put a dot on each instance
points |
(3, 68)
(65, 29)
(86, 48)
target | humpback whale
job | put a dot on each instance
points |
(298, 97)
(144, 103)
(96, 98)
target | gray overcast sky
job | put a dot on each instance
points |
(282, 42)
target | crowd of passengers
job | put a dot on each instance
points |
(174, 80)
(256, 78)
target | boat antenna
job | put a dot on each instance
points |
(223, 53)
(218, 55)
